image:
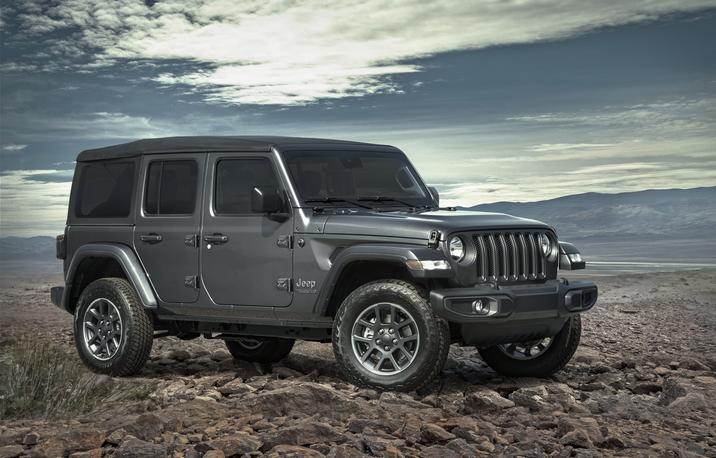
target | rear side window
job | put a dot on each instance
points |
(236, 179)
(105, 189)
(171, 188)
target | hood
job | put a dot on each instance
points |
(419, 225)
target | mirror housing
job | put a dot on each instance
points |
(436, 195)
(265, 199)
(570, 258)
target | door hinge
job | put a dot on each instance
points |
(191, 281)
(285, 241)
(285, 284)
(191, 240)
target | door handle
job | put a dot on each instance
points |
(216, 238)
(150, 238)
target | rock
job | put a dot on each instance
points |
(214, 454)
(236, 387)
(94, 453)
(71, 441)
(308, 398)
(179, 355)
(646, 388)
(235, 444)
(532, 397)
(357, 425)
(688, 404)
(146, 427)
(11, 451)
(306, 433)
(285, 372)
(462, 448)
(662, 371)
(116, 436)
(220, 355)
(485, 400)
(693, 364)
(31, 438)
(671, 390)
(410, 431)
(434, 433)
(136, 448)
(439, 451)
(345, 451)
(293, 451)
(577, 438)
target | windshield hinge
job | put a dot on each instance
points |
(434, 239)
(285, 241)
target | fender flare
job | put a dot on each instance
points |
(127, 260)
(398, 254)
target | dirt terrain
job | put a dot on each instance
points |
(643, 383)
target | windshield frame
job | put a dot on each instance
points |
(428, 201)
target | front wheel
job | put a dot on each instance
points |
(537, 358)
(259, 349)
(385, 336)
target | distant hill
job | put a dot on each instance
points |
(27, 248)
(670, 213)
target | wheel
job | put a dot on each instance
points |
(537, 358)
(260, 349)
(385, 336)
(113, 331)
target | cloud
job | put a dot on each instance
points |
(31, 206)
(549, 147)
(13, 148)
(296, 53)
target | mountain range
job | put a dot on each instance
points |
(676, 225)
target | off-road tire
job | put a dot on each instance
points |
(137, 328)
(434, 336)
(557, 356)
(268, 351)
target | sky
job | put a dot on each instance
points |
(492, 100)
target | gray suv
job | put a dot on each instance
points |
(260, 241)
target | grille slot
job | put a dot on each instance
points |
(509, 257)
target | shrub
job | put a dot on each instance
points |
(41, 380)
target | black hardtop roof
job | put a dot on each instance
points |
(218, 144)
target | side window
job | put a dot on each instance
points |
(171, 188)
(235, 179)
(105, 189)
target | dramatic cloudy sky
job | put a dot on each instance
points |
(493, 100)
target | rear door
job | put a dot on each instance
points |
(167, 224)
(246, 257)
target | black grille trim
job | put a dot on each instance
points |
(509, 256)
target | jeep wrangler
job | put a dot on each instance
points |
(260, 241)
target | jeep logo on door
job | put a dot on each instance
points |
(305, 286)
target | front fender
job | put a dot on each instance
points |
(126, 258)
(399, 254)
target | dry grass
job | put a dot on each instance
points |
(43, 381)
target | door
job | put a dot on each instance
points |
(167, 225)
(246, 257)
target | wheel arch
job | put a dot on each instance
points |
(361, 264)
(99, 260)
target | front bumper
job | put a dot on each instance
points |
(489, 315)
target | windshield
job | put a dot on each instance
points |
(360, 178)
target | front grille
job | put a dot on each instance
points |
(509, 256)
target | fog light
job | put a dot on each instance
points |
(480, 307)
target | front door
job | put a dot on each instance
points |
(167, 225)
(246, 257)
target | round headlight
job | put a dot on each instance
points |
(545, 245)
(457, 248)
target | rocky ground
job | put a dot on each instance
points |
(643, 383)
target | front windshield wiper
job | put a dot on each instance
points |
(332, 200)
(390, 199)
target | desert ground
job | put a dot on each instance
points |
(643, 383)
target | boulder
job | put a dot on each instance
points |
(670, 391)
(433, 433)
(235, 444)
(485, 400)
(132, 447)
(305, 433)
(71, 441)
(292, 451)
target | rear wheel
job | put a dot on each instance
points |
(385, 336)
(113, 332)
(259, 349)
(536, 358)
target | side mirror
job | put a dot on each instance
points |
(569, 257)
(265, 199)
(436, 195)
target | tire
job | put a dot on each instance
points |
(134, 334)
(552, 360)
(428, 355)
(260, 349)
